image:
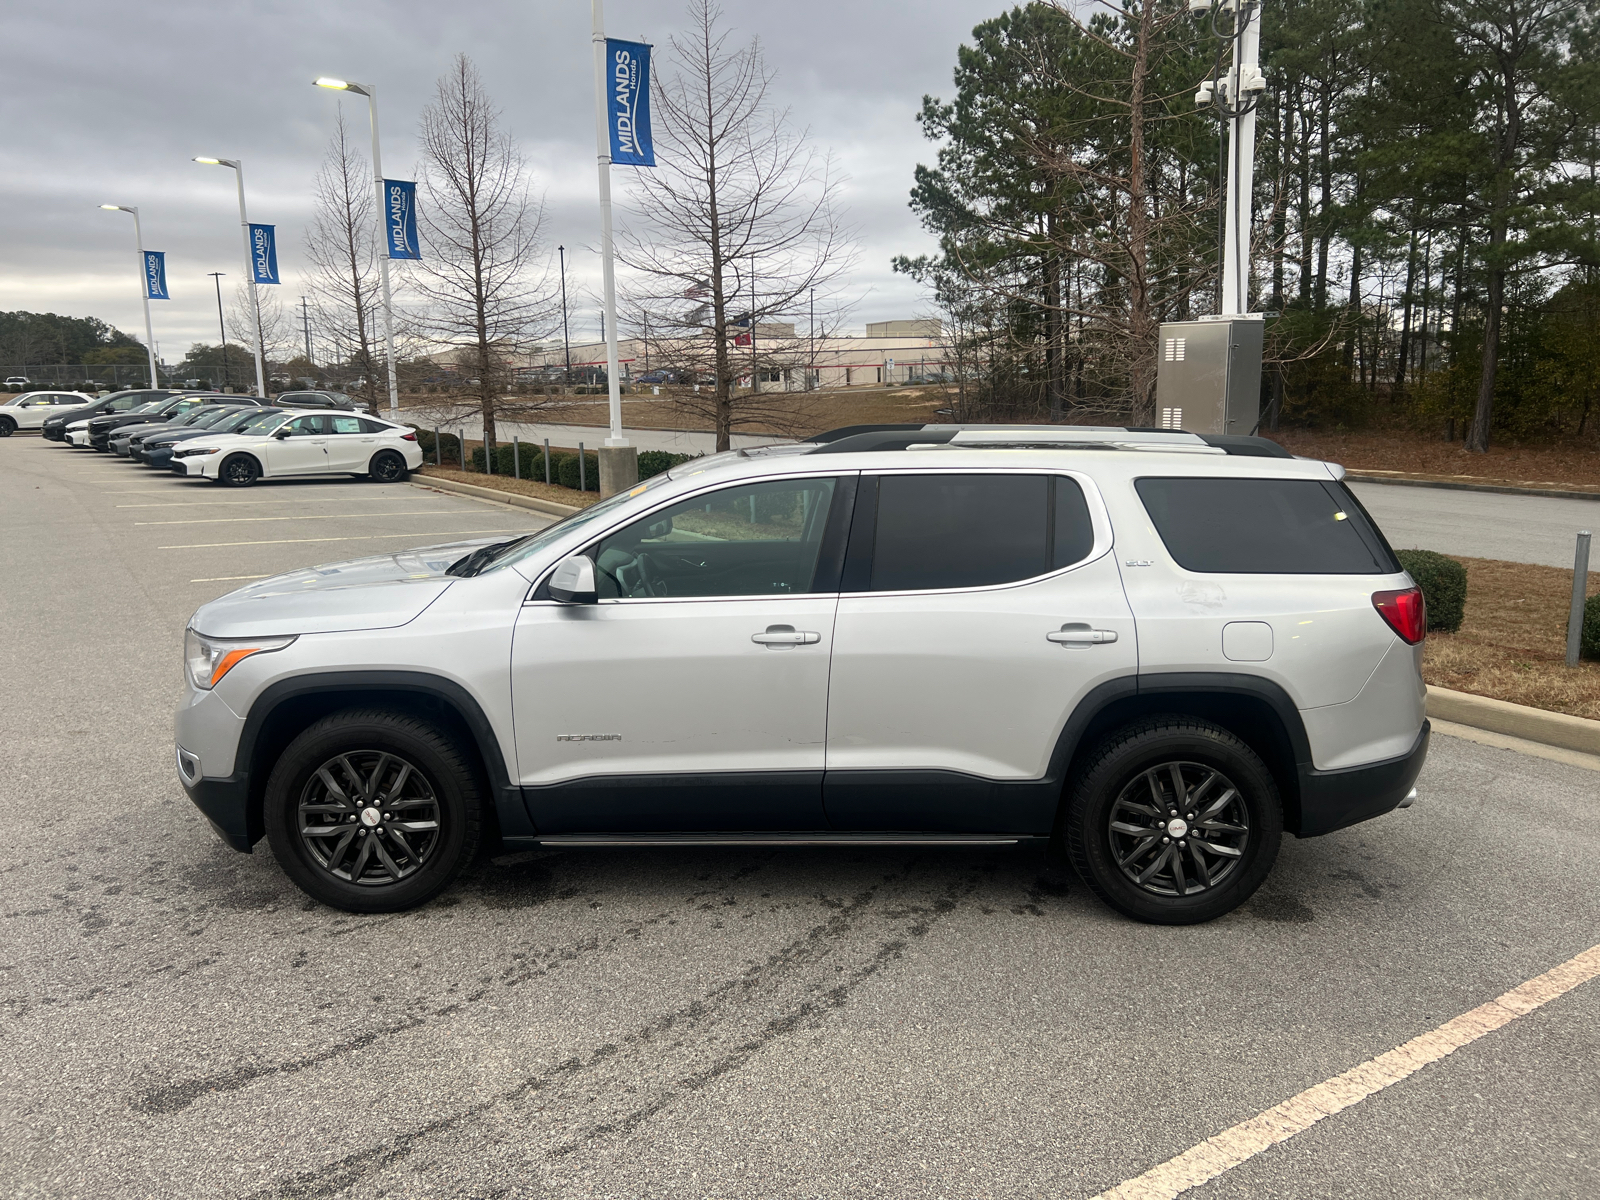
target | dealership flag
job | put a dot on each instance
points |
(264, 253)
(628, 103)
(400, 215)
(155, 275)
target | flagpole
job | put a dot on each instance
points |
(607, 247)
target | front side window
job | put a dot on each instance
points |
(935, 532)
(316, 425)
(757, 539)
(1265, 526)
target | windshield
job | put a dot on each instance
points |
(207, 420)
(148, 406)
(248, 419)
(514, 552)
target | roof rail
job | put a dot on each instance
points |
(857, 439)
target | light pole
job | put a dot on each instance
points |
(370, 91)
(222, 329)
(1234, 95)
(249, 269)
(144, 289)
(620, 458)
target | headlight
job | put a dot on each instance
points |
(209, 659)
(189, 451)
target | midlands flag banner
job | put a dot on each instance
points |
(264, 253)
(155, 275)
(400, 213)
(628, 103)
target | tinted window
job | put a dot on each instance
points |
(954, 531)
(1265, 526)
(375, 426)
(754, 540)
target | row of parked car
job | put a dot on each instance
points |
(231, 440)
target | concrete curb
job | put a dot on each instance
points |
(548, 507)
(1450, 485)
(1515, 720)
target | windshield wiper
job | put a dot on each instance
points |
(471, 564)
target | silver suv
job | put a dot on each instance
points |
(1152, 651)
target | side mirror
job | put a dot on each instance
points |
(573, 581)
(281, 432)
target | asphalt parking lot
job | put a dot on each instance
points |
(179, 1021)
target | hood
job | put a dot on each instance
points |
(380, 592)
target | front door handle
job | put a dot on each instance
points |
(782, 636)
(1080, 635)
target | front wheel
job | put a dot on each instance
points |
(241, 470)
(387, 467)
(1174, 821)
(373, 811)
(7, 426)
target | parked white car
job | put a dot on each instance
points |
(29, 410)
(304, 443)
(1154, 651)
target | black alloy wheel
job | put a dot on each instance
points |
(369, 817)
(7, 426)
(1173, 820)
(371, 810)
(241, 470)
(387, 467)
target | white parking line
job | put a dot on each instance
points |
(1244, 1141)
(334, 516)
(228, 578)
(365, 499)
(371, 537)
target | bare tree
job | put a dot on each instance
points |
(483, 284)
(277, 335)
(339, 245)
(735, 228)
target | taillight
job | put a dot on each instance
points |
(1406, 612)
(408, 437)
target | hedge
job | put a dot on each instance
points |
(1444, 587)
(1589, 640)
(654, 462)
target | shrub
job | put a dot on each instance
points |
(1590, 639)
(1444, 587)
(655, 462)
(452, 447)
(567, 476)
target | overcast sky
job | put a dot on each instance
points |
(106, 102)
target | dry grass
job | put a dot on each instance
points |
(1406, 453)
(1513, 642)
(522, 487)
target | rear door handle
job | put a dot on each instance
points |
(781, 636)
(1081, 635)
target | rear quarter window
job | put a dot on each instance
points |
(1265, 527)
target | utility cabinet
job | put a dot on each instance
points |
(1208, 375)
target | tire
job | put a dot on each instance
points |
(1168, 870)
(241, 470)
(7, 426)
(378, 863)
(387, 467)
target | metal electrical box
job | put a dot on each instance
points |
(1208, 375)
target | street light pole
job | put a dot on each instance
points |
(227, 380)
(144, 289)
(566, 341)
(371, 93)
(249, 267)
(607, 249)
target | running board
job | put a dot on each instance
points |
(768, 839)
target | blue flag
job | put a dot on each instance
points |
(264, 253)
(155, 275)
(628, 103)
(400, 215)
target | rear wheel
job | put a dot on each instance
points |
(241, 470)
(7, 426)
(387, 467)
(1174, 821)
(373, 811)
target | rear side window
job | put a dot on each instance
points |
(1265, 527)
(934, 532)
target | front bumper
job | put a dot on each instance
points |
(1332, 800)
(225, 803)
(78, 437)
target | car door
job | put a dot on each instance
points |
(693, 695)
(977, 609)
(351, 444)
(303, 448)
